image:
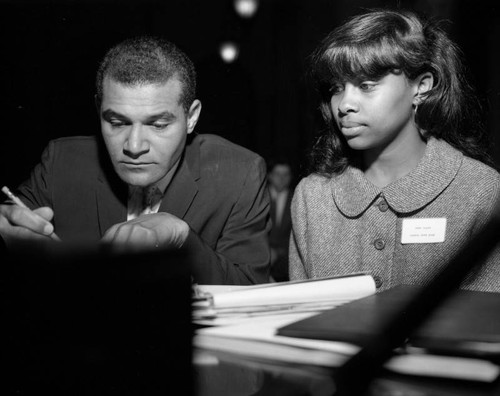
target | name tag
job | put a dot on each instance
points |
(423, 230)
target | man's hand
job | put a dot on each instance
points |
(146, 232)
(19, 224)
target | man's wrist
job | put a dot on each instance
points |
(183, 234)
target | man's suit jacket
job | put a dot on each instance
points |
(219, 189)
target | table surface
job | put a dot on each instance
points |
(230, 376)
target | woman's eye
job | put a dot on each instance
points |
(367, 86)
(335, 89)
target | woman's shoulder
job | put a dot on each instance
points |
(313, 190)
(470, 171)
(313, 181)
(478, 169)
(478, 175)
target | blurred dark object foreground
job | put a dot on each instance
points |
(87, 322)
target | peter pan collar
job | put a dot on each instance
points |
(353, 193)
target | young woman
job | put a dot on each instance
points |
(399, 179)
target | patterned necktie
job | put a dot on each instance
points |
(151, 199)
(143, 201)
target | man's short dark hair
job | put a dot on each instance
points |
(148, 60)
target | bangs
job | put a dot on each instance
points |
(356, 62)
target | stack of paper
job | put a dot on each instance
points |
(222, 305)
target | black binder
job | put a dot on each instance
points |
(467, 324)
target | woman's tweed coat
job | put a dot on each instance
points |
(346, 224)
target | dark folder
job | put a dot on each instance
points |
(84, 321)
(467, 324)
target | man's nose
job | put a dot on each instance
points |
(136, 143)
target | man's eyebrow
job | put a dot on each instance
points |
(111, 113)
(164, 115)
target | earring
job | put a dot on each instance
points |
(416, 104)
(420, 130)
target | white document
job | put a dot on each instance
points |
(233, 304)
(294, 292)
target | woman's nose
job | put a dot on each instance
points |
(348, 100)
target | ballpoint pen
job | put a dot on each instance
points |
(20, 203)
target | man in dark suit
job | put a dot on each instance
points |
(280, 188)
(149, 180)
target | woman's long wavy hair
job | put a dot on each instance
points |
(371, 45)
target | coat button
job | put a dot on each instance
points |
(379, 244)
(383, 206)
(378, 281)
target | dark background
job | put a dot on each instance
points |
(50, 51)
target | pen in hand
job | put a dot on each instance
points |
(20, 203)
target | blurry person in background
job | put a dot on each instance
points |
(280, 178)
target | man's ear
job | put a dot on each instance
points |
(425, 82)
(193, 115)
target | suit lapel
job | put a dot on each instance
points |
(181, 191)
(111, 201)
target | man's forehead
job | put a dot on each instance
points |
(142, 93)
(168, 82)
